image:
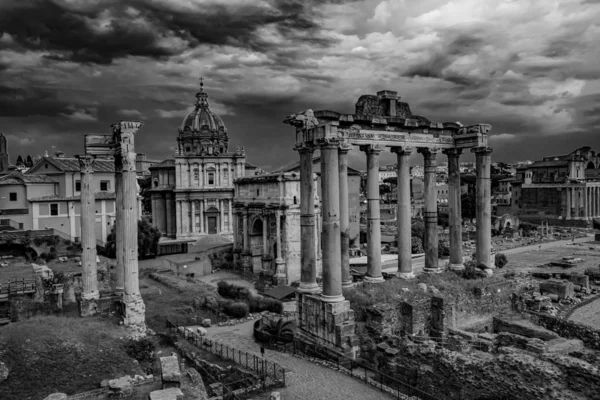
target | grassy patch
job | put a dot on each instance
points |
(61, 354)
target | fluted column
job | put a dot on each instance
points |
(88, 229)
(193, 217)
(308, 271)
(373, 215)
(483, 242)
(230, 219)
(568, 197)
(454, 206)
(344, 214)
(404, 213)
(169, 208)
(134, 313)
(430, 212)
(280, 274)
(246, 253)
(178, 218)
(330, 191)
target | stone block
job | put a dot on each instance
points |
(464, 334)
(170, 369)
(275, 396)
(487, 336)
(392, 352)
(56, 396)
(121, 386)
(217, 388)
(581, 280)
(383, 346)
(562, 289)
(523, 328)
(206, 323)
(167, 394)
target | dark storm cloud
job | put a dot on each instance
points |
(457, 45)
(32, 101)
(106, 30)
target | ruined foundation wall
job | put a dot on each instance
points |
(570, 330)
(511, 374)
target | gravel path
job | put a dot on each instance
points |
(308, 380)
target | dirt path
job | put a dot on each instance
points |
(308, 381)
(588, 315)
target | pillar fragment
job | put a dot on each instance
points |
(430, 213)
(280, 275)
(134, 308)
(308, 271)
(373, 215)
(344, 215)
(404, 213)
(88, 230)
(483, 208)
(454, 206)
(330, 190)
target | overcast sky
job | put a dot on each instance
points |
(530, 68)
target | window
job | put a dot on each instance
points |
(211, 178)
(78, 186)
(54, 209)
(257, 192)
(13, 196)
(104, 185)
(196, 174)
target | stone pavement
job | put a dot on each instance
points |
(308, 381)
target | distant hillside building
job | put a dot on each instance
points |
(562, 189)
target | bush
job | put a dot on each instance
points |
(416, 245)
(500, 260)
(593, 274)
(237, 309)
(470, 271)
(259, 304)
(443, 249)
(141, 350)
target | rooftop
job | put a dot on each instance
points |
(98, 196)
(18, 178)
(71, 164)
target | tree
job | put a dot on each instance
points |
(417, 230)
(145, 186)
(467, 203)
(148, 237)
(500, 260)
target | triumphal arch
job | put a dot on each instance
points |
(380, 123)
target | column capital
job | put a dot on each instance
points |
(454, 152)
(372, 148)
(328, 143)
(402, 150)
(86, 163)
(344, 148)
(485, 151)
(304, 147)
(428, 152)
(123, 127)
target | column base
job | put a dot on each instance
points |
(309, 288)
(347, 284)
(133, 311)
(405, 275)
(95, 295)
(331, 326)
(374, 279)
(331, 299)
(87, 307)
(432, 270)
(456, 267)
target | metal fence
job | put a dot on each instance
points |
(271, 374)
(370, 375)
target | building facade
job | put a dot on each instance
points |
(267, 224)
(558, 189)
(192, 194)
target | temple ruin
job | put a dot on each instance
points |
(379, 122)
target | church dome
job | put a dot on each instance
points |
(202, 119)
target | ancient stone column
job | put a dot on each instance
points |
(308, 272)
(330, 191)
(119, 227)
(373, 215)
(134, 310)
(246, 253)
(179, 219)
(568, 200)
(483, 207)
(344, 214)
(229, 227)
(201, 216)
(193, 215)
(88, 229)
(280, 275)
(169, 212)
(266, 257)
(454, 206)
(404, 213)
(430, 213)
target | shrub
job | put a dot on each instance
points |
(593, 274)
(470, 271)
(38, 241)
(237, 309)
(416, 245)
(259, 304)
(141, 350)
(500, 260)
(443, 249)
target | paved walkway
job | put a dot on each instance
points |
(308, 381)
